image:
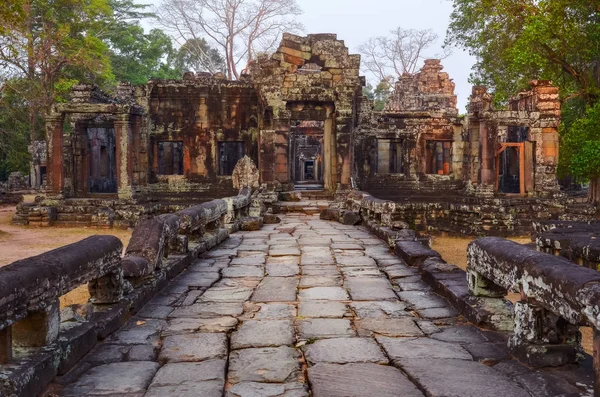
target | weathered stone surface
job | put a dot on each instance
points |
(423, 300)
(320, 281)
(185, 373)
(345, 350)
(351, 218)
(250, 224)
(245, 174)
(114, 379)
(324, 293)
(276, 289)
(469, 378)
(209, 310)
(212, 388)
(388, 326)
(365, 289)
(269, 364)
(189, 325)
(384, 309)
(249, 389)
(244, 271)
(193, 347)
(273, 311)
(329, 309)
(316, 328)
(263, 333)
(359, 380)
(401, 348)
(282, 270)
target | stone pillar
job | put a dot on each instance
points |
(54, 140)
(488, 158)
(5, 345)
(39, 328)
(543, 339)
(107, 289)
(329, 153)
(124, 148)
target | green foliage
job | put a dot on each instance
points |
(379, 95)
(137, 57)
(515, 41)
(580, 146)
(14, 130)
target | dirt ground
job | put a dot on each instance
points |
(19, 242)
(454, 251)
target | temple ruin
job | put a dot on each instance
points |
(301, 116)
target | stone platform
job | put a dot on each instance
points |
(306, 308)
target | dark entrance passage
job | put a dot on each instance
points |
(306, 153)
(229, 155)
(102, 177)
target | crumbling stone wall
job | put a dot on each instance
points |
(535, 115)
(421, 112)
(317, 73)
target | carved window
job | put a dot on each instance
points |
(229, 154)
(170, 158)
(439, 157)
(390, 156)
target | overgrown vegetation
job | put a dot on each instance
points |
(516, 41)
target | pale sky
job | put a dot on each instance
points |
(355, 21)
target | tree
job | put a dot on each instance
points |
(136, 56)
(518, 40)
(238, 28)
(196, 55)
(379, 95)
(14, 130)
(400, 53)
(580, 150)
(41, 41)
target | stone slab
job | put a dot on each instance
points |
(317, 309)
(360, 380)
(383, 309)
(404, 327)
(213, 388)
(255, 389)
(324, 293)
(193, 347)
(263, 333)
(276, 289)
(317, 328)
(113, 379)
(344, 351)
(401, 348)
(459, 378)
(209, 310)
(269, 364)
(365, 289)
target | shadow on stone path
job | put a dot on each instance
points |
(306, 307)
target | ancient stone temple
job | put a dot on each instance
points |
(300, 115)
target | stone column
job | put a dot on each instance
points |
(541, 338)
(329, 153)
(124, 163)
(54, 139)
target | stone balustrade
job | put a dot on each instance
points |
(38, 341)
(557, 297)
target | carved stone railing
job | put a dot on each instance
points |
(377, 215)
(38, 341)
(557, 297)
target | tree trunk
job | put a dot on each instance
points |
(594, 191)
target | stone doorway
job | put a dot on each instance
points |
(102, 160)
(307, 163)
